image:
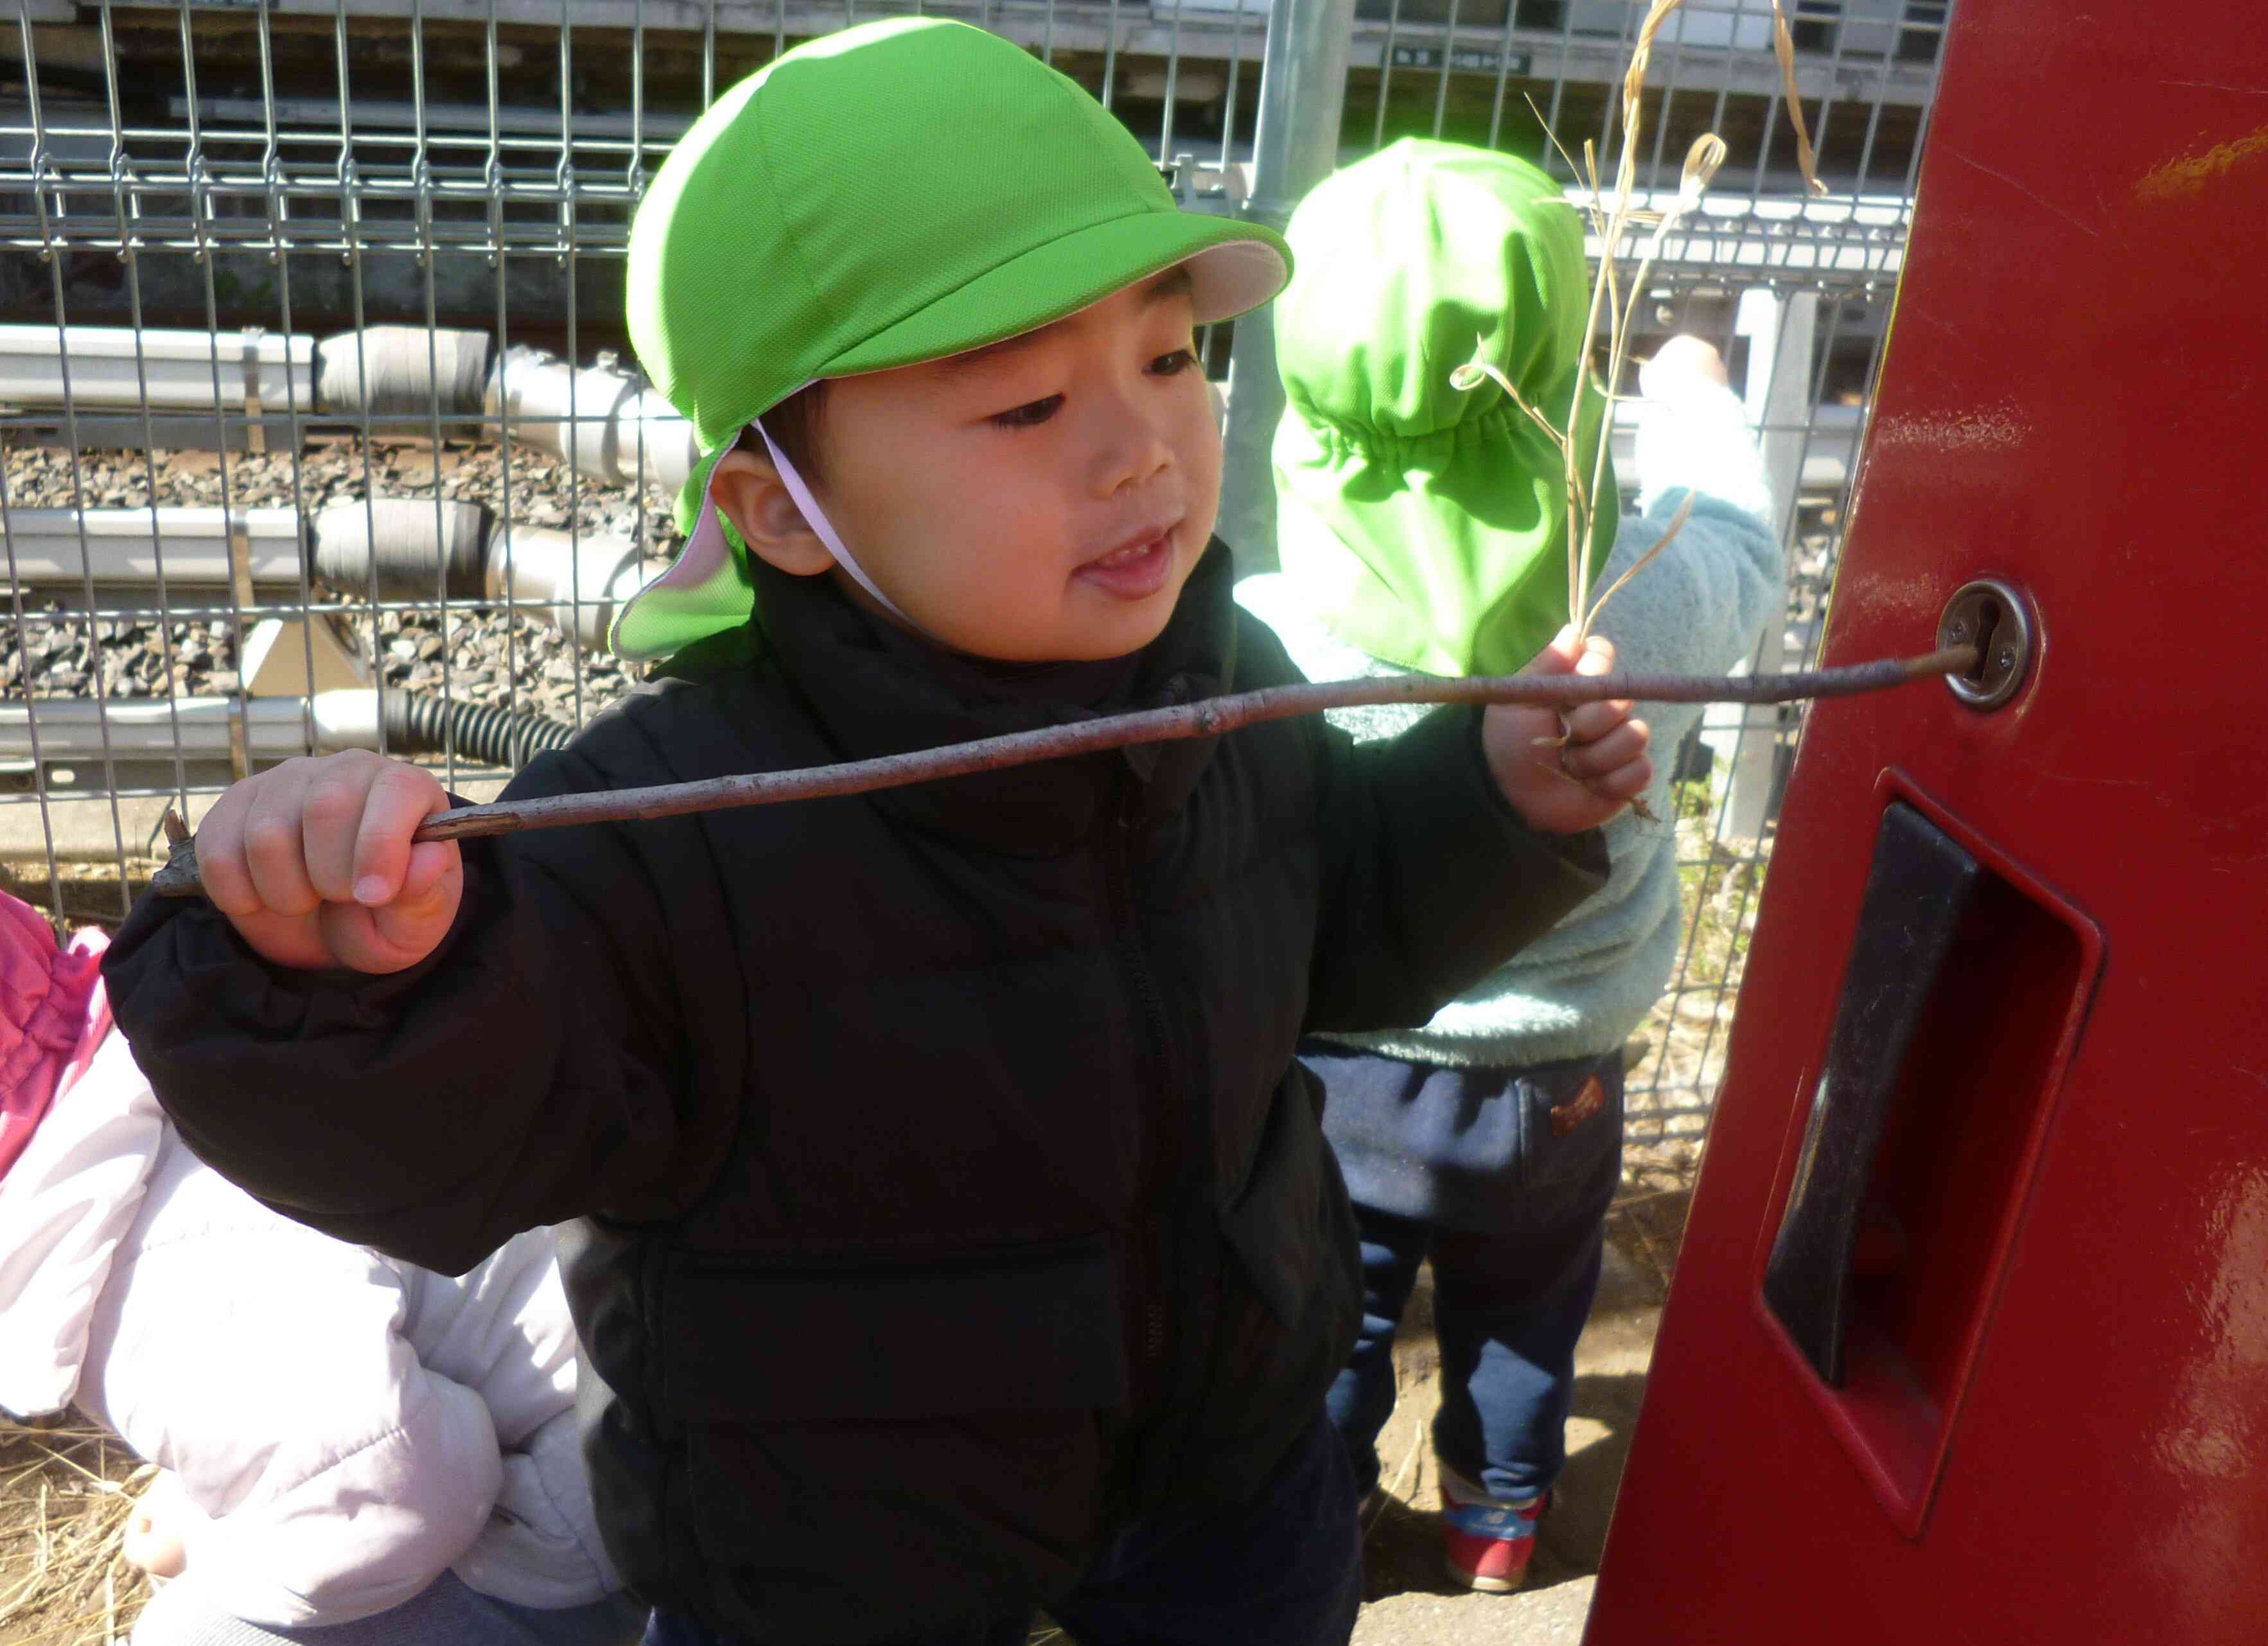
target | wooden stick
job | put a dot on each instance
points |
(1209, 718)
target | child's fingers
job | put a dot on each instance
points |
(1588, 720)
(431, 862)
(273, 841)
(330, 821)
(404, 930)
(399, 798)
(1624, 782)
(1593, 721)
(1558, 658)
(420, 915)
(1619, 747)
(220, 855)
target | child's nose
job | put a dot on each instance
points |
(1133, 442)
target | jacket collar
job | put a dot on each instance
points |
(874, 689)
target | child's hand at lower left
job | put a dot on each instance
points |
(154, 1536)
(1580, 783)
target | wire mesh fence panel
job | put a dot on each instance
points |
(322, 430)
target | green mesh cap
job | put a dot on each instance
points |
(1425, 525)
(894, 192)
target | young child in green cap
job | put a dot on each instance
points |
(1421, 527)
(953, 1230)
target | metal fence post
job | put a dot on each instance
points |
(1782, 333)
(1302, 92)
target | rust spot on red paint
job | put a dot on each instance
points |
(2179, 178)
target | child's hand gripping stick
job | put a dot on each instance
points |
(1569, 770)
(317, 862)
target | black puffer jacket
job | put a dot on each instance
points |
(946, 1191)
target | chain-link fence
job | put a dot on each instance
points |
(319, 431)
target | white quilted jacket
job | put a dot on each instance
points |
(349, 1426)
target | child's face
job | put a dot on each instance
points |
(1041, 500)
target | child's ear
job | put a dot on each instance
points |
(749, 491)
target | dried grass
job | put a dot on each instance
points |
(1783, 49)
(66, 1490)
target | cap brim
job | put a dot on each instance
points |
(1233, 267)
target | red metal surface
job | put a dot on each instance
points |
(2070, 1444)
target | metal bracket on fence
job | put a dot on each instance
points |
(240, 742)
(255, 427)
(239, 560)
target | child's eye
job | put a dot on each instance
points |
(1175, 363)
(1030, 415)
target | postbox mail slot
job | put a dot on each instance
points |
(1964, 993)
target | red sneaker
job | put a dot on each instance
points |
(1487, 1541)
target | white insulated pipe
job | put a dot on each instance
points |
(398, 374)
(600, 419)
(45, 548)
(416, 551)
(198, 371)
(573, 582)
(198, 727)
(576, 583)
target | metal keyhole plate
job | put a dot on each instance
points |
(1992, 617)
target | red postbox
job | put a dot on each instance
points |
(1969, 1338)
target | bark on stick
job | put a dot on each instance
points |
(1209, 718)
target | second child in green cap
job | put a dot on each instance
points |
(953, 1234)
(1423, 527)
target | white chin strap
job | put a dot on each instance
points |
(816, 519)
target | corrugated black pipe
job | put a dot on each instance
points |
(481, 732)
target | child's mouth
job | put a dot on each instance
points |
(1136, 571)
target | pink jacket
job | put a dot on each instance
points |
(52, 1015)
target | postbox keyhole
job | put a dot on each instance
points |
(1992, 618)
(1988, 628)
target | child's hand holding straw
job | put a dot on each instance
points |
(1566, 776)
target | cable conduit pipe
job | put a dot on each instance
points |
(601, 419)
(398, 549)
(72, 730)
